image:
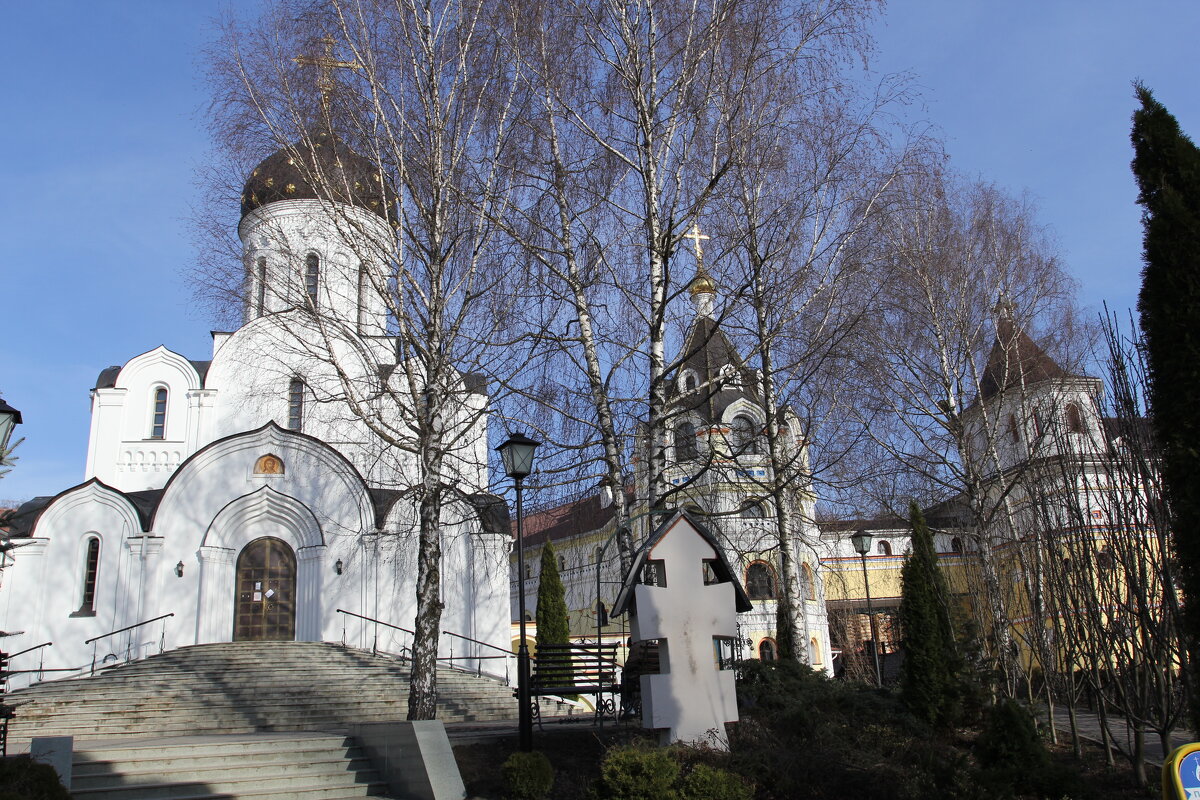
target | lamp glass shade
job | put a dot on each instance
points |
(9, 417)
(517, 454)
(861, 542)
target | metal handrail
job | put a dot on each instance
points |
(162, 639)
(127, 628)
(374, 645)
(31, 649)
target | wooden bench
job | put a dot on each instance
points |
(563, 670)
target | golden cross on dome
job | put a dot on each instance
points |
(695, 235)
(326, 63)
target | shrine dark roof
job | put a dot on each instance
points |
(707, 350)
(1016, 359)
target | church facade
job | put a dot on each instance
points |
(234, 498)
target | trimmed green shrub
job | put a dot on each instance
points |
(1010, 738)
(638, 773)
(527, 776)
(22, 778)
(711, 783)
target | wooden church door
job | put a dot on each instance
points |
(265, 606)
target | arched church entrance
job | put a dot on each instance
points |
(265, 603)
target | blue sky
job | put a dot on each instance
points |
(103, 129)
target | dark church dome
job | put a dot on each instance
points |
(339, 174)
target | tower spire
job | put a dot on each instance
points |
(702, 288)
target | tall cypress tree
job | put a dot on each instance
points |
(929, 678)
(553, 626)
(1167, 166)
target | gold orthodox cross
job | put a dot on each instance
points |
(326, 63)
(695, 235)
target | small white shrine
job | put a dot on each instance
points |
(682, 594)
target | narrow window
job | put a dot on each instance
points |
(312, 271)
(689, 382)
(562, 564)
(685, 442)
(158, 426)
(744, 439)
(1013, 435)
(262, 286)
(362, 297)
(956, 545)
(767, 651)
(814, 652)
(807, 584)
(295, 404)
(723, 652)
(1074, 418)
(91, 567)
(884, 548)
(760, 582)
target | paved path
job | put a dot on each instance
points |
(1089, 728)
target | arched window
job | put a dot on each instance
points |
(91, 569)
(760, 581)
(808, 587)
(767, 650)
(745, 438)
(814, 652)
(752, 510)
(956, 545)
(689, 382)
(685, 442)
(295, 404)
(1104, 559)
(158, 424)
(312, 274)
(261, 301)
(1074, 418)
(884, 548)
(562, 564)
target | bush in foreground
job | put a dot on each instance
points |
(527, 776)
(22, 778)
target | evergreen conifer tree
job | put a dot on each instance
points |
(1167, 166)
(553, 626)
(930, 675)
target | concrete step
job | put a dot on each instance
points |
(259, 767)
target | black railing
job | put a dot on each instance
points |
(407, 652)
(41, 661)
(162, 638)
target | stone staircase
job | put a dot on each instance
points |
(245, 687)
(253, 720)
(311, 766)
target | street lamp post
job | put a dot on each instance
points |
(517, 454)
(862, 546)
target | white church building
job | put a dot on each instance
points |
(233, 498)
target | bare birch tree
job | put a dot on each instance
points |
(423, 95)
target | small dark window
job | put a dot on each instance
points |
(690, 382)
(709, 569)
(295, 404)
(1104, 560)
(760, 582)
(884, 548)
(685, 442)
(562, 564)
(723, 652)
(1013, 433)
(956, 545)
(807, 585)
(91, 568)
(262, 285)
(528, 572)
(312, 273)
(654, 573)
(1074, 418)
(158, 427)
(767, 650)
(362, 297)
